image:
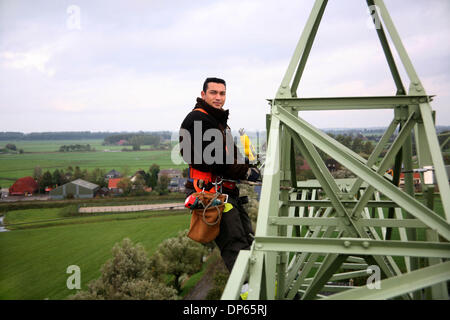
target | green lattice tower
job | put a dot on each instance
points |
(314, 235)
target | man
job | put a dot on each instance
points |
(210, 165)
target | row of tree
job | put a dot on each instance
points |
(11, 148)
(60, 176)
(132, 139)
(76, 147)
(357, 143)
(141, 181)
(68, 135)
(165, 135)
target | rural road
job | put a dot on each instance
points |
(133, 208)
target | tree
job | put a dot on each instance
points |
(446, 159)
(185, 172)
(342, 173)
(179, 256)
(68, 176)
(84, 174)
(126, 185)
(77, 174)
(153, 171)
(46, 181)
(139, 182)
(220, 279)
(37, 173)
(253, 204)
(368, 147)
(127, 276)
(97, 176)
(57, 178)
(136, 143)
(11, 146)
(163, 184)
(147, 178)
(340, 138)
(347, 141)
(357, 145)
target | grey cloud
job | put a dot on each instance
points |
(146, 56)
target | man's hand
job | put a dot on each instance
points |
(253, 174)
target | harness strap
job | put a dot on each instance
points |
(201, 110)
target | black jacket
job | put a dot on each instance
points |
(232, 165)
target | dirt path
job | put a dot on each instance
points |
(133, 208)
(206, 283)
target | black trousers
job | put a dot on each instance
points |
(236, 233)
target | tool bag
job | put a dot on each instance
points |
(205, 222)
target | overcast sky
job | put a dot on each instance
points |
(139, 64)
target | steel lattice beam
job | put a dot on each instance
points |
(320, 229)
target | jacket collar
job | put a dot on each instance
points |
(219, 114)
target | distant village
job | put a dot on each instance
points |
(115, 184)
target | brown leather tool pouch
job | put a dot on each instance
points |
(205, 222)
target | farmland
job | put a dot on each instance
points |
(45, 154)
(34, 261)
(42, 243)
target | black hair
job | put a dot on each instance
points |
(215, 80)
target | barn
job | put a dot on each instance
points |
(23, 186)
(77, 189)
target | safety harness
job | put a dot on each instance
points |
(207, 181)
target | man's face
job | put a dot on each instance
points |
(215, 95)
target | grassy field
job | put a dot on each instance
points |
(36, 254)
(38, 218)
(53, 145)
(34, 261)
(45, 155)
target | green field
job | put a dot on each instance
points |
(53, 145)
(45, 155)
(34, 261)
(43, 243)
(38, 218)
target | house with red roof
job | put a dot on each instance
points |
(113, 185)
(23, 186)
